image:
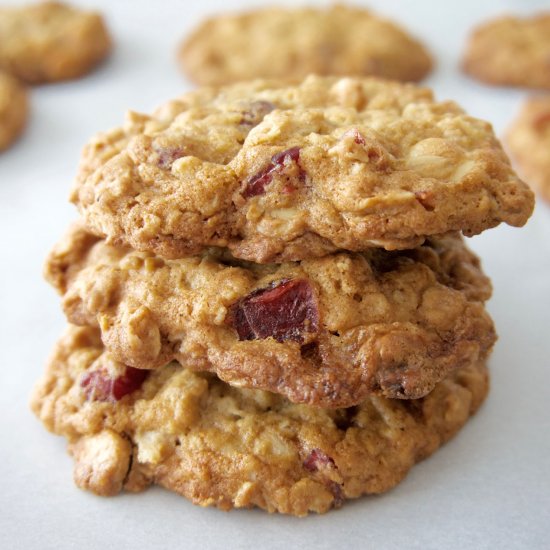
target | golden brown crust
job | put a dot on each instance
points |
(292, 43)
(528, 140)
(511, 51)
(231, 447)
(283, 172)
(388, 323)
(51, 41)
(14, 108)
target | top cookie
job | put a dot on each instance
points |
(280, 172)
(14, 107)
(529, 142)
(51, 41)
(284, 43)
(511, 51)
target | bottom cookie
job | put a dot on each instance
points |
(232, 447)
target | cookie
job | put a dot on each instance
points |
(14, 107)
(51, 41)
(283, 173)
(528, 140)
(292, 43)
(326, 332)
(232, 447)
(511, 51)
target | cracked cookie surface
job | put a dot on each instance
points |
(528, 140)
(51, 41)
(283, 172)
(292, 43)
(327, 331)
(14, 107)
(511, 51)
(231, 447)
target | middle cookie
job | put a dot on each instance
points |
(278, 172)
(327, 331)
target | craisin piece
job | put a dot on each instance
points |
(230, 447)
(328, 331)
(279, 172)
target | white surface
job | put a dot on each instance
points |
(488, 488)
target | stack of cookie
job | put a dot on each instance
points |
(270, 300)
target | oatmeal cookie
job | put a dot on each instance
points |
(528, 140)
(328, 331)
(283, 173)
(51, 41)
(511, 51)
(14, 107)
(231, 447)
(292, 43)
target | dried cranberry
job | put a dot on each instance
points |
(318, 460)
(167, 156)
(288, 189)
(337, 493)
(356, 135)
(375, 153)
(98, 385)
(285, 311)
(256, 184)
(256, 112)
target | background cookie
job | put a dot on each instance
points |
(511, 51)
(13, 109)
(328, 331)
(528, 139)
(230, 447)
(278, 172)
(51, 41)
(292, 43)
